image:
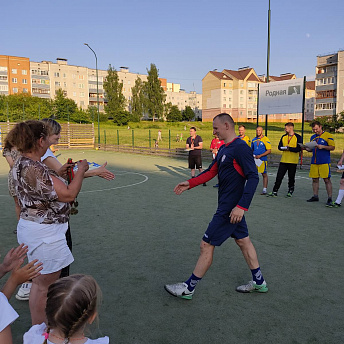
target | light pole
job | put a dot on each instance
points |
(97, 91)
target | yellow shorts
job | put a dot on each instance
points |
(263, 167)
(320, 171)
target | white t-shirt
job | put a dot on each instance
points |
(35, 336)
(48, 154)
(7, 313)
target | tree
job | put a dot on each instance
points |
(188, 114)
(22, 106)
(137, 104)
(115, 107)
(174, 115)
(154, 94)
(63, 107)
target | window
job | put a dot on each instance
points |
(24, 72)
(3, 69)
(81, 77)
(14, 71)
(64, 84)
(57, 84)
(25, 90)
(224, 99)
(74, 94)
(64, 75)
(82, 94)
(224, 91)
(82, 103)
(14, 80)
(251, 84)
(224, 84)
(56, 74)
(241, 99)
(3, 87)
(241, 92)
(74, 84)
(241, 105)
(81, 85)
(44, 72)
(15, 90)
(40, 91)
(241, 84)
(24, 81)
(3, 77)
(73, 76)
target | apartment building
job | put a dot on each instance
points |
(236, 93)
(14, 75)
(230, 91)
(80, 84)
(329, 84)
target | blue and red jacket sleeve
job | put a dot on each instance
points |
(245, 160)
(205, 176)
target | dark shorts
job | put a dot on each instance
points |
(195, 161)
(220, 229)
(343, 175)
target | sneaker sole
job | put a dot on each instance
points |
(186, 297)
(22, 298)
(260, 290)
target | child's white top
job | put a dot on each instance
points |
(48, 154)
(35, 336)
(7, 313)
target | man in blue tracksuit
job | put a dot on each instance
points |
(238, 180)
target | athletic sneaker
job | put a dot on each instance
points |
(216, 186)
(179, 290)
(313, 199)
(272, 194)
(263, 193)
(329, 204)
(336, 205)
(24, 292)
(204, 184)
(289, 194)
(251, 287)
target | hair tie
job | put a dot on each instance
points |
(46, 335)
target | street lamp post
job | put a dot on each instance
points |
(97, 91)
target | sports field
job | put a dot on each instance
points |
(134, 235)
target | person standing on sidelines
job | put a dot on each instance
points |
(321, 161)
(340, 196)
(238, 178)
(215, 145)
(289, 145)
(261, 147)
(243, 136)
(195, 143)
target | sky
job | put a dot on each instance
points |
(185, 39)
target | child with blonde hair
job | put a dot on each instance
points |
(71, 305)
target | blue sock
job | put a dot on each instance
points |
(192, 282)
(257, 276)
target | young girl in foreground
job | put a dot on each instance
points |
(71, 305)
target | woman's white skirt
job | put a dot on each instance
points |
(47, 243)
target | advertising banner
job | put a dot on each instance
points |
(281, 97)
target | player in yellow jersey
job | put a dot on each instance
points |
(243, 136)
(289, 145)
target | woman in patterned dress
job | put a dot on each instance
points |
(44, 199)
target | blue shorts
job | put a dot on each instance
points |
(220, 229)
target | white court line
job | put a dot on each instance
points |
(114, 188)
(123, 186)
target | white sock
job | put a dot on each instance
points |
(264, 189)
(340, 196)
